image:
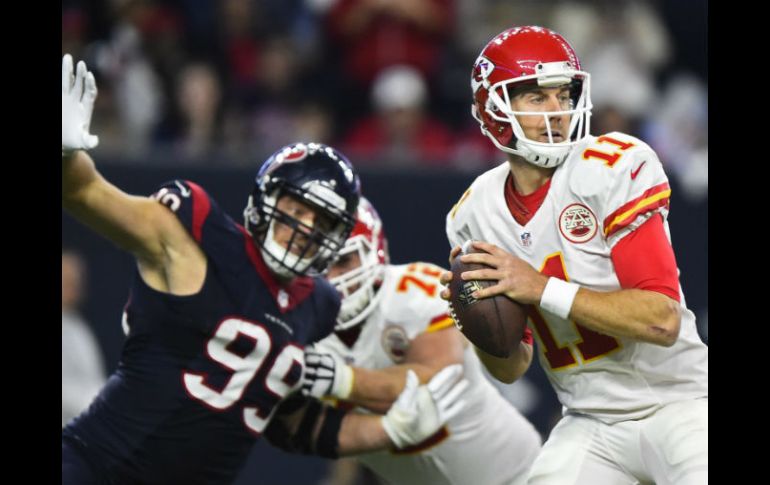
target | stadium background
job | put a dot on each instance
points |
(205, 90)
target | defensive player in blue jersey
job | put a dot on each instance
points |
(217, 318)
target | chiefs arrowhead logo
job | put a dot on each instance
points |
(577, 223)
(481, 71)
(477, 71)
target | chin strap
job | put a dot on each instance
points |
(547, 157)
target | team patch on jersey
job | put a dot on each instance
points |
(577, 223)
(395, 342)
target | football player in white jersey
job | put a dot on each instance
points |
(393, 319)
(575, 226)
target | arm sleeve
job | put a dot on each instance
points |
(644, 259)
(305, 425)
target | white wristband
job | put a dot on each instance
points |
(558, 296)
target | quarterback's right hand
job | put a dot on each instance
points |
(326, 375)
(420, 411)
(78, 93)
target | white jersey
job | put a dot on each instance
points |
(606, 188)
(488, 442)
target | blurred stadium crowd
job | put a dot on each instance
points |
(386, 81)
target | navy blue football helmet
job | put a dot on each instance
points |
(318, 176)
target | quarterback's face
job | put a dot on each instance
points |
(310, 220)
(543, 100)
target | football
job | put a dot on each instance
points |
(495, 324)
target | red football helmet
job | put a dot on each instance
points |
(359, 286)
(529, 55)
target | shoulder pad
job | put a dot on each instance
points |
(415, 302)
(621, 178)
(605, 161)
(457, 218)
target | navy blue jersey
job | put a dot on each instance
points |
(200, 375)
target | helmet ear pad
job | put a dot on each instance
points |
(256, 220)
(499, 130)
(251, 216)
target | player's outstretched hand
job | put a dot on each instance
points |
(78, 93)
(326, 375)
(420, 411)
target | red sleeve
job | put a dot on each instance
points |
(644, 259)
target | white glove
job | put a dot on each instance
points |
(77, 103)
(420, 411)
(326, 375)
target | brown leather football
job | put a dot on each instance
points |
(495, 324)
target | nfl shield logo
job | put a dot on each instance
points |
(526, 239)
